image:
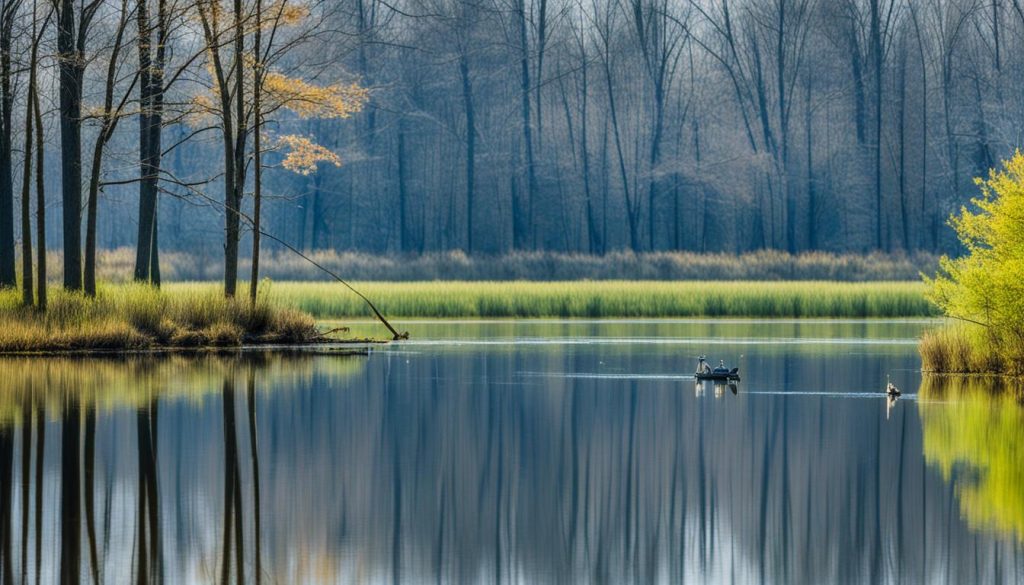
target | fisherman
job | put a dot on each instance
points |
(702, 366)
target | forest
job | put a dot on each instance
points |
(493, 126)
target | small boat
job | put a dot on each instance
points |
(719, 374)
(705, 372)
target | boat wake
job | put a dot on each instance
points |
(610, 376)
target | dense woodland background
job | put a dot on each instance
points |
(570, 125)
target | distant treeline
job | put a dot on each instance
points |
(116, 265)
(589, 127)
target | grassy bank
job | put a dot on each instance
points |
(600, 299)
(136, 317)
(969, 349)
(119, 264)
(191, 315)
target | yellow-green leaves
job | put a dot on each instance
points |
(986, 285)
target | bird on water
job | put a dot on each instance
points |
(892, 390)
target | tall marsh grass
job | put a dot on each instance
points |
(602, 299)
(132, 316)
(963, 348)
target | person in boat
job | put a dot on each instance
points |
(721, 370)
(702, 366)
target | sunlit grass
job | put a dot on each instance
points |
(964, 348)
(132, 316)
(601, 299)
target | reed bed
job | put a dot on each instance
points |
(133, 317)
(963, 348)
(601, 299)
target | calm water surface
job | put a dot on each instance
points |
(516, 452)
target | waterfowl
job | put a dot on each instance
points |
(892, 390)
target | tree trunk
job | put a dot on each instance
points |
(257, 91)
(812, 192)
(26, 189)
(858, 87)
(147, 187)
(596, 242)
(632, 213)
(71, 69)
(233, 212)
(902, 142)
(90, 217)
(520, 209)
(40, 199)
(467, 98)
(655, 153)
(403, 187)
(542, 41)
(107, 126)
(154, 257)
(7, 263)
(876, 54)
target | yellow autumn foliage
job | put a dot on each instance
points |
(284, 12)
(303, 156)
(279, 91)
(308, 100)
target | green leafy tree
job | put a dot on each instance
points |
(984, 286)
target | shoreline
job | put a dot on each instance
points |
(335, 347)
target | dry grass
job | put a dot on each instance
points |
(117, 265)
(133, 317)
(969, 349)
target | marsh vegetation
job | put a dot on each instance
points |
(138, 317)
(605, 299)
(982, 289)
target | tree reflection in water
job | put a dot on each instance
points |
(451, 469)
(70, 492)
(974, 433)
(90, 399)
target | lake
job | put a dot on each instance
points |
(517, 452)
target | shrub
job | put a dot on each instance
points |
(984, 286)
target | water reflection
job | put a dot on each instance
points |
(974, 433)
(86, 513)
(461, 466)
(719, 388)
